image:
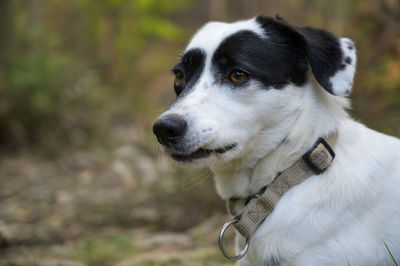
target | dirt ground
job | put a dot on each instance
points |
(125, 205)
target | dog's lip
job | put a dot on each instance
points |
(201, 153)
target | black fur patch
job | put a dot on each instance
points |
(321, 47)
(191, 65)
(273, 61)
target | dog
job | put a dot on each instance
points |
(252, 98)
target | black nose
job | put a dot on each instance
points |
(169, 129)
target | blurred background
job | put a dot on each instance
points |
(82, 179)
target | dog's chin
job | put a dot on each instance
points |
(203, 156)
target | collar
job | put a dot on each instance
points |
(251, 211)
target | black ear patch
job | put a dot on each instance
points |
(332, 59)
(324, 54)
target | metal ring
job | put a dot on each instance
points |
(221, 244)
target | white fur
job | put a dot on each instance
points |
(211, 34)
(341, 217)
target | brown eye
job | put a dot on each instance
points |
(238, 76)
(179, 77)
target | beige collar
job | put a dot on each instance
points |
(256, 208)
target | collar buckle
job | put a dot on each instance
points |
(320, 156)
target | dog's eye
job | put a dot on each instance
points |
(238, 76)
(179, 77)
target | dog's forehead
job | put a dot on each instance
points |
(211, 35)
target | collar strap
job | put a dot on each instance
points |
(259, 206)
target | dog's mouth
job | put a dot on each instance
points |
(201, 153)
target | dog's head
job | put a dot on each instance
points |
(236, 81)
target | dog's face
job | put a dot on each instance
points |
(237, 81)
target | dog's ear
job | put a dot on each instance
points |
(332, 59)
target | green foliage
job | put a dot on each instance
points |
(66, 65)
(37, 75)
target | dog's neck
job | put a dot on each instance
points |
(282, 146)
